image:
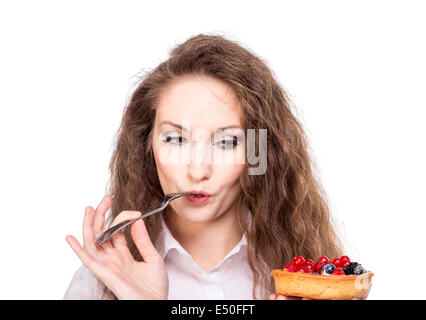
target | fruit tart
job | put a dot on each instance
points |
(337, 279)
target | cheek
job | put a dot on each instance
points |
(169, 172)
(228, 174)
(169, 175)
(229, 165)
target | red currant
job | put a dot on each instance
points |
(318, 267)
(291, 268)
(307, 269)
(298, 261)
(344, 264)
(338, 272)
(336, 262)
(345, 258)
(309, 262)
(286, 265)
(323, 259)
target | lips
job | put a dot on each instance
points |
(201, 197)
(201, 193)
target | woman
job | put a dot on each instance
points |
(256, 218)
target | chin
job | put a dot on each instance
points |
(195, 215)
(196, 218)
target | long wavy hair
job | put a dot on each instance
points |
(290, 214)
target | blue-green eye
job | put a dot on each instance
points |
(224, 144)
(176, 140)
(228, 143)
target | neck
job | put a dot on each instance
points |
(209, 242)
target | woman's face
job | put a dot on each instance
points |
(195, 157)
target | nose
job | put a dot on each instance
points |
(199, 167)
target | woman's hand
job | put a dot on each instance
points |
(113, 263)
(274, 296)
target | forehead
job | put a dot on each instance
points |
(204, 102)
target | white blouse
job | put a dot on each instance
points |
(232, 278)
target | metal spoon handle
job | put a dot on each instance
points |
(106, 235)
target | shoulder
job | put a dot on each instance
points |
(85, 285)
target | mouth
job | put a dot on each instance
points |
(199, 197)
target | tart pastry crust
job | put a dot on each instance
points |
(315, 286)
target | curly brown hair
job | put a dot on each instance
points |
(290, 214)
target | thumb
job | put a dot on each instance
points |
(143, 242)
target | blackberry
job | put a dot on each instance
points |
(359, 270)
(346, 271)
(354, 268)
(351, 267)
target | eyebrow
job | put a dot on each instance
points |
(184, 129)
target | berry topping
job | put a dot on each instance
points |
(309, 268)
(338, 272)
(344, 264)
(328, 269)
(298, 261)
(318, 267)
(354, 268)
(309, 262)
(323, 259)
(336, 262)
(291, 268)
(345, 258)
(351, 266)
(337, 266)
(359, 270)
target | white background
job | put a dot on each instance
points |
(355, 71)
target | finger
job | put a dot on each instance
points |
(88, 232)
(280, 297)
(143, 242)
(118, 240)
(100, 212)
(100, 271)
(273, 296)
(82, 254)
(98, 228)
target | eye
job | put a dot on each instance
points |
(175, 140)
(228, 143)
